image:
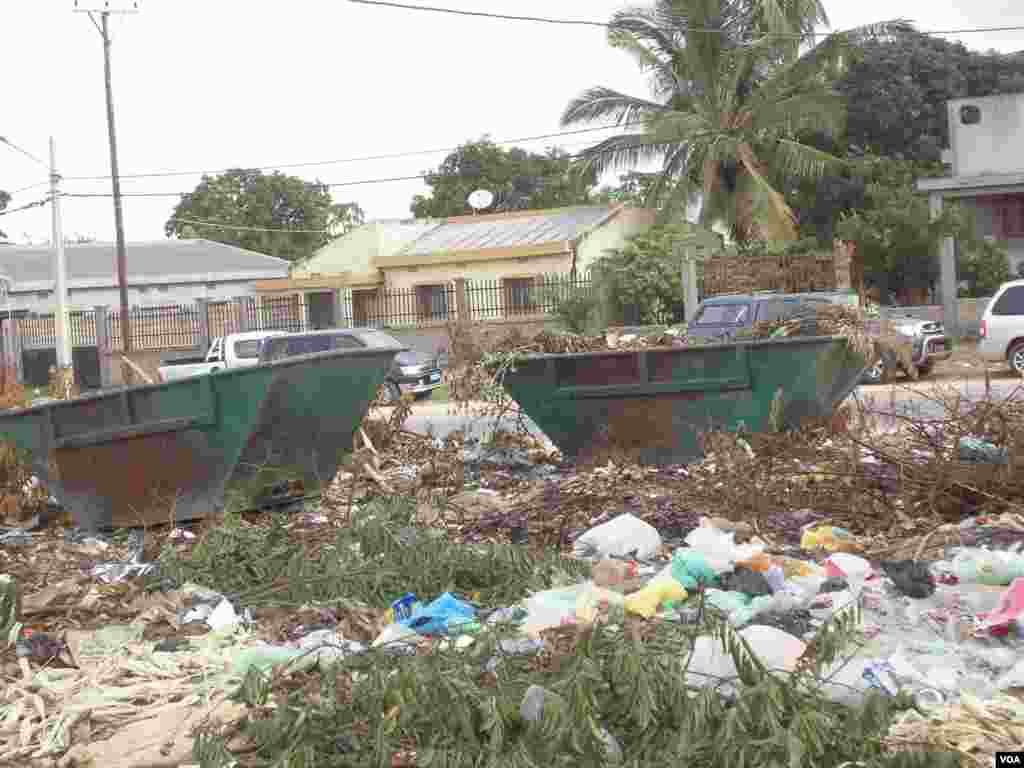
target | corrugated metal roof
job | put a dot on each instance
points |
(477, 233)
(145, 261)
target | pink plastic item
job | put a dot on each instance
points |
(1010, 608)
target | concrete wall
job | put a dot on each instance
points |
(992, 145)
(87, 298)
(356, 250)
(612, 234)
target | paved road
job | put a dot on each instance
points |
(892, 403)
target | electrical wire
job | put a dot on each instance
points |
(606, 24)
(30, 186)
(36, 204)
(367, 158)
(225, 225)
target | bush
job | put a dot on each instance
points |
(578, 311)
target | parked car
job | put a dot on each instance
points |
(413, 372)
(1002, 327)
(236, 350)
(929, 344)
(721, 318)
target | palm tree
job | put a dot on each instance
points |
(732, 95)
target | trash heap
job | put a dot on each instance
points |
(835, 595)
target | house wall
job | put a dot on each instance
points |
(143, 295)
(406, 278)
(993, 145)
(612, 234)
(356, 250)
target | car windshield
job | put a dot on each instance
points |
(248, 349)
(722, 314)
(291, 346)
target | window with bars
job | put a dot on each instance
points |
(519, 298)
(432, 302)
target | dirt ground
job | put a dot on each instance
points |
(964, 364)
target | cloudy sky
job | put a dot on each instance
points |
(203, 86)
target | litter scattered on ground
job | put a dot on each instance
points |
(576, 610)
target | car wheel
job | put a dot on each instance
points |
(874, 374)
(392, 393)
(1016, 357)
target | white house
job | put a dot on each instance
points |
(986, 153)
(158, 272)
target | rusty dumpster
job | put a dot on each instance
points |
(653, 403)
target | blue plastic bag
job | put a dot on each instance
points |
(443, 616)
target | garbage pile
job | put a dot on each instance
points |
(817, 598)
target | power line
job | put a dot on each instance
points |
(607, 24)
(342, 161)
(30, 186)
(36, 204)
(225, 225)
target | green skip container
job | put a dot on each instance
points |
(166, 452)
(654, 403)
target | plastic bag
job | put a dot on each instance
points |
(720, 549)
(647, 601)
(625, 535)
(981, 566)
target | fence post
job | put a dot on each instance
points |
(244, 319)
(203, 305)
(104, 347)
(461, 300)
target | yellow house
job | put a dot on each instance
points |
(413, 268)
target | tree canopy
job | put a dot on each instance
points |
(732, 95)
(253, 210)
(519, 180)
(897, 88)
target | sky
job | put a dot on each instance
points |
(205, 86)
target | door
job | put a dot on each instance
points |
(320, 310)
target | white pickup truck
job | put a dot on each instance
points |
(236, 350)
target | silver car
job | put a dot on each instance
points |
(1002, 327)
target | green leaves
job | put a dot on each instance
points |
(519, 180)
(253, 210)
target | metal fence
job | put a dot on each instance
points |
(183, 326)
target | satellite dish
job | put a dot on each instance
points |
(480, 199)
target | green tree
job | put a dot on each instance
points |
(983, 266)
(897, 240)
(633, 188)
(644, 275)
(518, 179)
(897, 88)
(732, 94)
(4, 200)
(254, 210)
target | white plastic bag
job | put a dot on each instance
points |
(620, 537)
(720, 549)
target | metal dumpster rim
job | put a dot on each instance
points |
(790, 340)
(224, 372)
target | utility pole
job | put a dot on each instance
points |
(122, 278)
(60, 319)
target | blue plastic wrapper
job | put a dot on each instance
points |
(445, 615)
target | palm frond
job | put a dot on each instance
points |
(617, 152)
(599, 104)
(818, 110)
(802, 161)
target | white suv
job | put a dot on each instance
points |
(1002, 326)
